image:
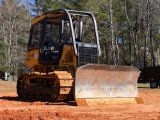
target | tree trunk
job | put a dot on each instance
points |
(115, 51)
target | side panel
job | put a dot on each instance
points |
(32, 58)
(68, 57)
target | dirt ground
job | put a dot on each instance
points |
(12, 108)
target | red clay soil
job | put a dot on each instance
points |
(12, 108)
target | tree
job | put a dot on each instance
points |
(14, 23)
(141, 17)
(128, 30)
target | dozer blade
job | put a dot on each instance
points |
(99, 84)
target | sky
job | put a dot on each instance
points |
(28, 4)
(31, 1)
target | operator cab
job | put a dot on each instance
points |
(56, 28)
(49, 35)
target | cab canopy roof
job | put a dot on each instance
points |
(66, 14)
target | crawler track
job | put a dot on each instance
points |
(46, 87)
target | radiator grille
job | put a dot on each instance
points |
(87, 55)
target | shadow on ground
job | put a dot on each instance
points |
(41, 102)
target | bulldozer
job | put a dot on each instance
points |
(63, 52)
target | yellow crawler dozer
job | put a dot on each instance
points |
(63, 51)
